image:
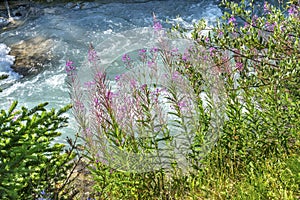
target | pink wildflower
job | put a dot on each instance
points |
(239, 66)
(126, 58)
(69, 66)
(157, 26)
(118, 77)
(182, 104)
(212, 51)
(231, 20)
(293, 10)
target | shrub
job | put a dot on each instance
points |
(257, 56)
(32, 164)
(259, 59)
(142, 126)
(233, 90)
(149, 115)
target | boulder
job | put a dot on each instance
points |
(31, 56)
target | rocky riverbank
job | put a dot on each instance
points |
(30, 55)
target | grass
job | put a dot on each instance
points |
(273, 178)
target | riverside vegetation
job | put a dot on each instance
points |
(217, 121)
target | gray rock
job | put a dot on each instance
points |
(31, 56)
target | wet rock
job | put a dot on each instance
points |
(32, 56)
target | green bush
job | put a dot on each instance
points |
(32, 163)
(259, 59)
(242, 140)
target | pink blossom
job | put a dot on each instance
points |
(154, 50)
(69, 66)
(239, 66)
(156, 93)
(246, 25)
(293, 10)
(117, 77)
(142, 51)
(144, 87)
(266, 7)
(109, 95)
(88, 132)
(231, 20)
(126, 58)
(100, 75)
(69, 63)
(92, 55)
(89, 84)
(182, 104)
(184, 58)
(175, 50)
(151, 64)
(143, 55)
(133, 83)
(78, 105)
(157, 26)
(212, 51)
(254, 19)
(270, 27)
(220, 34)
(175, 75)
(96, 102)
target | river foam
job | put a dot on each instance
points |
(6, 61)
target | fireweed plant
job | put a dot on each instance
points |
(225, 111)
(149, 117)
(259, 61)
(257, 56)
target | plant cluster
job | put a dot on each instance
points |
(32, 164)
(258, 57)
(220, 119)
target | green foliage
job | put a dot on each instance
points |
(258, 57)
(248, 67)
(114, 184)
(270, 179)
(31, 161)
(262, 104)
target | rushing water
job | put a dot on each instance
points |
(113, 28)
